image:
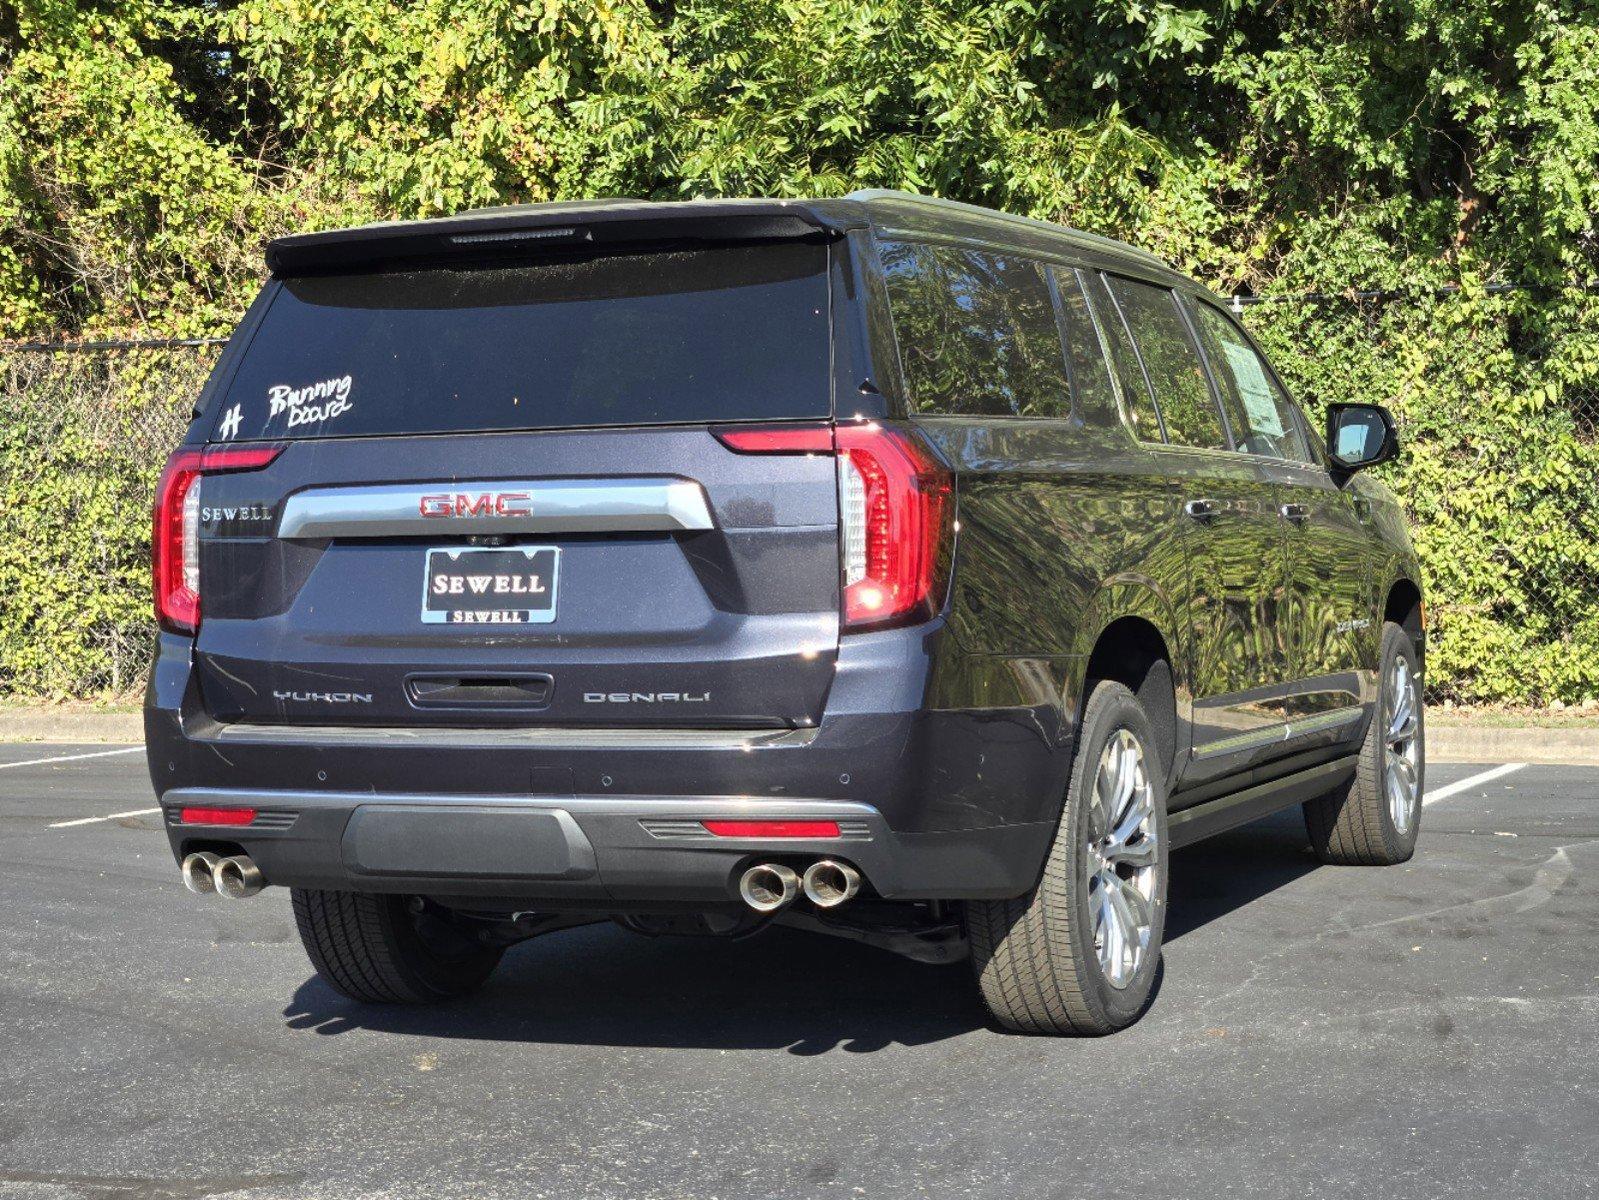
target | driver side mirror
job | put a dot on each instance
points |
(1360, 436)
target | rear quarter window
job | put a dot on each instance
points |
(977, 332)
(725, 334)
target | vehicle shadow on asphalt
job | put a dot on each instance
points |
(782, 990)
(1234, 869)
(600, 985)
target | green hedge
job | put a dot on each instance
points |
(1497, 399)
(1498, 475)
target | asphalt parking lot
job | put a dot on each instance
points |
(1426, 1030)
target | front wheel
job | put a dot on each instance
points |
(381, 950)
(1079, 953)
(1373, 819)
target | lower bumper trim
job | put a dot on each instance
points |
(592, 849)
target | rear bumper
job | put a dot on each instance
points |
(949, 801)
(585, 851)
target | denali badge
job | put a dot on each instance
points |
(484, 504)
(645, 697)
(324, 697)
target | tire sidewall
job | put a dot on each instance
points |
(1111, 707)
(1396, 643)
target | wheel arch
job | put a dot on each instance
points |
(1127, 638)
(1402, 604)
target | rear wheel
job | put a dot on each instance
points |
(380, 950)
(1373, 820)
(1079, 954)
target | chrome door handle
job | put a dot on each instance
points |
(1294, 512)
(1201, 509)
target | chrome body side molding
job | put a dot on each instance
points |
(1286, 731)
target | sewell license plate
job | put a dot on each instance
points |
(491, 587)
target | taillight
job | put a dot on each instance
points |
(777, 439)
(895, 515)
(175, 534)
(894, 520)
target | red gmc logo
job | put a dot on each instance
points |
(484, 504)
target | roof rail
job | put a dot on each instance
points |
(878, 195)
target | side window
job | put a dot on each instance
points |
(1085, 350)
(1171, 361)
(1261, 415)
(1139, 404)
(977, 332)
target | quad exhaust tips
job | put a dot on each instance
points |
(235, 877)
(767, 887)
(828, 884)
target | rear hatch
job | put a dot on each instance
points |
(500, 499)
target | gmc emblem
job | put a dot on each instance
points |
(484, 504)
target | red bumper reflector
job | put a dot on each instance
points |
(773, 829)
(217, 816)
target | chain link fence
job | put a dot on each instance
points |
(83, 435)
(1511, 608)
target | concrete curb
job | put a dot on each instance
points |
(1445, 743)
(47, 724)
(1524, 743)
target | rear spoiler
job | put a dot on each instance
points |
(575, 224)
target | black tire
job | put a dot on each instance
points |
(374, 949)
(1352, 825)
(1036, 957)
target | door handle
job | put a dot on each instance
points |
(1294, 512)
(1201, 510)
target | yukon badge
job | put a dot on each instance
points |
(323, 697)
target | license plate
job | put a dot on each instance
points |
(491, 586)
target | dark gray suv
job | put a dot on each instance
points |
(881, 566)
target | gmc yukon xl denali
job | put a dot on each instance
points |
(881, 566)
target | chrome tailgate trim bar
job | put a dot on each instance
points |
(444, 509)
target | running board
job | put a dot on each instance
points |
(1190, 825)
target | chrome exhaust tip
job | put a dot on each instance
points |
(828, 884)
(767, 887)
(199, 872)
(238, 877)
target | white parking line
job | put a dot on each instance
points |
(136, 812)
(1471, 781)
(39, 762)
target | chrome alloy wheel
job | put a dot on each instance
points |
(1121, 859)
(1401, 749)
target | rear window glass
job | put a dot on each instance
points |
(739, 333)
(977, 332)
